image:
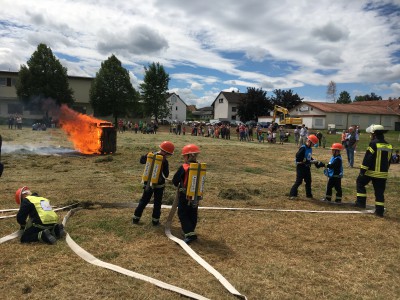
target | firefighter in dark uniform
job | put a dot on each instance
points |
(166, 150)
(375, 168)
(37, 218)
(334, 172)
(187, 209)
(303, 164)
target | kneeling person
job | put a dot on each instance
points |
(37, 218)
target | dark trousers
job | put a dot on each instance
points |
(147, 194)
(187, 214)
(32, 233)
(379, 185)
(303, 172)
(334, 182)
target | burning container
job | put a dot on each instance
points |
(107, 137)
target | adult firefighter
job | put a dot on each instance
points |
(303, 162)
(375, 168)
(188, 205)
(37, 218)
(156, 170)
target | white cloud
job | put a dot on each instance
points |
(208, 45)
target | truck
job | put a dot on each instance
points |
(284, 117)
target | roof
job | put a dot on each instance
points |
(231, 97)
(170, 94)
(382, 107)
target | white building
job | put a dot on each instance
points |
(178, 108)
(226, 104)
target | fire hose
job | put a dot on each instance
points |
(93, 260)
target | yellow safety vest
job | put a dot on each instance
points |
(46, 213)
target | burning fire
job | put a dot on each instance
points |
(83, 131)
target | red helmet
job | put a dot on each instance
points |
(19, 192)
(167, 147)
(337, 146)
(190, 149)
(313, 139)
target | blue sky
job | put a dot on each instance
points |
(212, 46)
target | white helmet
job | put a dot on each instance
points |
(374, 128)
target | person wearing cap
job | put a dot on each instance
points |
(166, 149)
(303, 162)
(37, 219)
(187, 209)
(334, 172)
(375, 168)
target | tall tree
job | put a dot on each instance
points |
(254, 104)
(43, 78)
(371, 97)
(154, 92)
(344, 98)
(111, 92)
(285, 98)
(331, 91)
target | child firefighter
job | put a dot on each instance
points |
(156, 170)
(334, 172)
(189, 178)
(303, 162)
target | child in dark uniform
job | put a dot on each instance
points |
(187, 208)
(334, 172)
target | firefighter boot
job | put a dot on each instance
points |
(46, 237)
(361, 203)
(379, 210)
(59, 231)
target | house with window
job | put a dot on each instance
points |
(10, 104)
(178, 108)
(226, 104)
(321, 115)
(204, 113)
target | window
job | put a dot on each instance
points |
(319, 122)
(233, 117)
(176, 107)
(373, 120)
(221, 100)
(386, 121)
(6, 81)
(233, 109)
(339, 120)
(355, 120)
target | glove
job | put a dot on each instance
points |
(319, 164)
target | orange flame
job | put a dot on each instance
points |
(82, 130)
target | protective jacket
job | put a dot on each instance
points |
(376, 161)
(38, 210)
(304, 156)
(334, 167)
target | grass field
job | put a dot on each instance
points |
(263, 254)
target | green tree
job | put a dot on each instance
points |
(344, 98)
(331, 91)
(254, 104)
(43, 78)
(285, 98)
(371, 97)
(111, 92)
(154, 92)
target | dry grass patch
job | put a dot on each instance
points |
(264, 254)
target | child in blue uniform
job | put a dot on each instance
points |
(334, 172)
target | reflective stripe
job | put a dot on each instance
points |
(363, 167)
(370, 150)
(361, 195)
(189, 234)
(377, 174)
(379, 203)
